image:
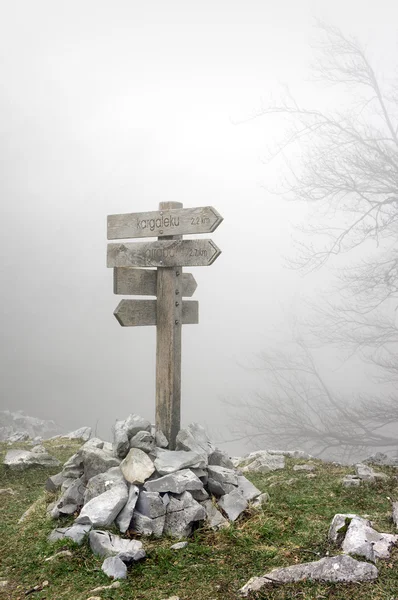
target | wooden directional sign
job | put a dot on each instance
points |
(170, 253)
(132, 313)
(143, 282)
(174, 221)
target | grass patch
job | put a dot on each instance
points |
(291, 528)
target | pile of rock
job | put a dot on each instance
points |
(140, 486)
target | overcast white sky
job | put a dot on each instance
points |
(112, 107)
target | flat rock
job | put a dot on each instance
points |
(177, 482)
(262, 461)
(291, 453)
(137, 466)
(168, 461)
(114, 567)
(23, 459)
(75, 533)
(214, 519)
(194, 439)
(247, 489)
(104, 544)
(103, 482)
(233, 504)
(332, 569)
(123, 519)
(102, 510)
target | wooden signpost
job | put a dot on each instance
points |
(168, 283)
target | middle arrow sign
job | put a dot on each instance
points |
(143, 282)
(170, 253)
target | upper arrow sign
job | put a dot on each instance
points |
(163, 253)
(175, 221)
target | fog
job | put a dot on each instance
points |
(113, 107)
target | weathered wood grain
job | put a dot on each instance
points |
(134, 313)
(167, 222)
(164, 253)
(143, 282)
(168, 344)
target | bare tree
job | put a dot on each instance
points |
(348, 174)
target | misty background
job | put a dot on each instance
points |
(112, 108)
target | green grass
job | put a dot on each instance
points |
(291, 528)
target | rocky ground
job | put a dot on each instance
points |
(134, 509)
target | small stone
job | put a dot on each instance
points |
(150, 504)
(161, 440)
(261, 500)
(365, 472)
(221, 459)
(102, 588)
(143, 440)
(114, 567)
(104, 544)
(179, 546)
(307, 468)
(9, 491)
(351, 481)
(61, 554)
(195, 439)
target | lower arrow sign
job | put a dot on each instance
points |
(133, 313)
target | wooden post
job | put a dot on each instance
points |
(168, 344)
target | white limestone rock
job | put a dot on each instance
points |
(220, 458)
(261, 500)
(195, 439)
(182, 512)
(137, 466)
(23, 459)
(176, 483)
(147, 526)
(97, 460)
(123, 519)
(161, 440)
(233, 504)
(103, 482)
(332, 569)
(150, 504)
(144, 441)
(214, 519)
(247, 489)
(262, 461)
(76, 533)
(114, 567)
(168, 461)
(105, 544)
(102, 510)
(362, 540)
